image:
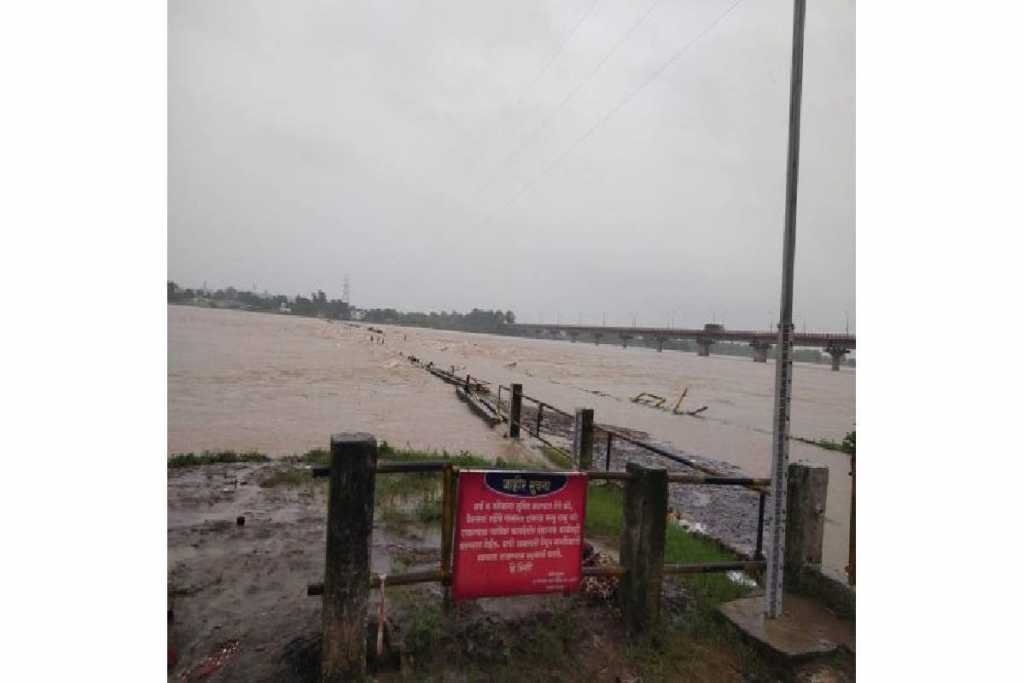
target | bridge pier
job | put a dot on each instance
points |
(760, 351)
(837, 353)
(704, 346)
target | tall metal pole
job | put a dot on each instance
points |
(784, 364)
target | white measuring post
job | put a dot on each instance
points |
(776, 518)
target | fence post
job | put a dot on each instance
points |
(448, 481)
(608, 454)
(347, 567)
(806, 494)
(515, 409)
(540, 416)
(851, 568)
(583, 439)
(759, 549)
(642, 545)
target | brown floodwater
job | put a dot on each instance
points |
(283, 384)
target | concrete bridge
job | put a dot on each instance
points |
(836, 345)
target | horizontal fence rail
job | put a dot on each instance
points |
(583, 459)
(350, 511)
(435, 576)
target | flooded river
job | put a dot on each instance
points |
(282, 384)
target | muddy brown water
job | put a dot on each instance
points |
(282, 384)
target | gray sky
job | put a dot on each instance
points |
(444, 154)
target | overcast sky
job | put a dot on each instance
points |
(565, 160)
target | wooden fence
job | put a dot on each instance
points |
(347, 579)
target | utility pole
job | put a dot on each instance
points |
(784, 363)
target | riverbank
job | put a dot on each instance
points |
(279, 384)
(241, 613)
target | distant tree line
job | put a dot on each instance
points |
(476, 320)
(317, 304)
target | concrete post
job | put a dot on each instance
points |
(583, 439)
(806, 494)
(704, 346)
(448, 487)
(347, 566)
(837, 354)
(760, 351)
(642, 546)
(515, 410)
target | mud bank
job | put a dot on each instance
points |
(241, 590)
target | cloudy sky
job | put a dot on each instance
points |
(566, 160)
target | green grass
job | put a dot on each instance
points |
(316, 456)
(604, 511)
(321, 456)
(213, 457)
(290, 476)
(848, 445)
(558, 458)
(604, 521)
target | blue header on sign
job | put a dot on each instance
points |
(525, 484)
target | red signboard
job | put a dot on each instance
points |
(517, 533)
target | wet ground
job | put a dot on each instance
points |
(247, 584)
(241, 613)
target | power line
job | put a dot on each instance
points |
(572, 93)
(618, 107)
(547, 67)
(558, 53)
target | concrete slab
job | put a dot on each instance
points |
(805, 629)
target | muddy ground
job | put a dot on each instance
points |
(237, 598)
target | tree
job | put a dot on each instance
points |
(172, 291)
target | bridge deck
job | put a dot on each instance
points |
(823, 339)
